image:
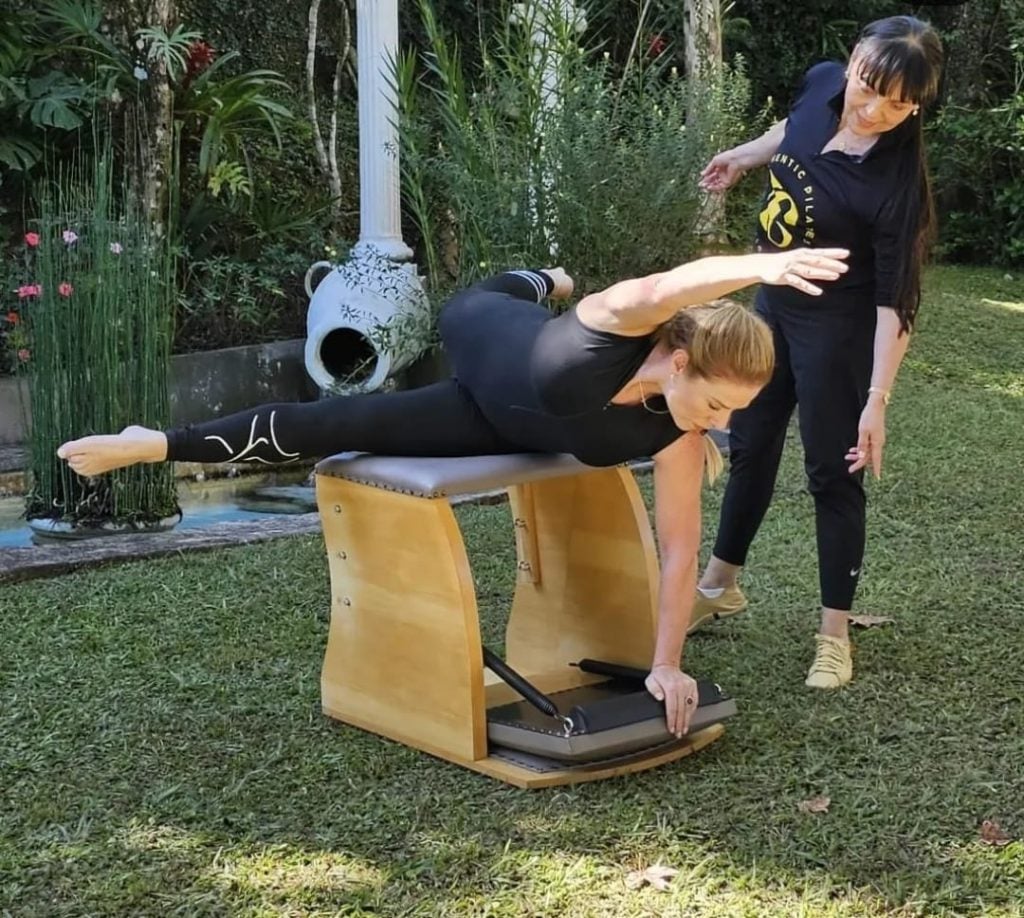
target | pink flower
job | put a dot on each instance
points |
(70, 237)
(116, 248)
(32, 239)
(65, 289)
(13, 318)
(24, 354)
(27, 290)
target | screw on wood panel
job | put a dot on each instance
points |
(337, 508)
(519, 523)
(346, 601)
(524, 566)
(342, 555)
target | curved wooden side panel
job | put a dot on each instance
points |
(592, 589)
(403, 654)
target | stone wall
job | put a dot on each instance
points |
(203, 385)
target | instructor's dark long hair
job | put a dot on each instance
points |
(902, 56)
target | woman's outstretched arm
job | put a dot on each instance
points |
(678, 474)
(729, 166)
(638, 306)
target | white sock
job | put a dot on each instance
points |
(711, 592)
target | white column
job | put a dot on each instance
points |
(380, 215)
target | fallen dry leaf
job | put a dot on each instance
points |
(871, 621)
(814, 805)
(993, 834)
(657, 876)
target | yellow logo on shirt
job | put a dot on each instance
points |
(780, 211)
(781, 216)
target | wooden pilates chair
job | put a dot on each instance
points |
(404, 656)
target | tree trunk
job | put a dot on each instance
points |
(147, 135)
(150, 140)
(702, 36)
(327, 153)
(157, 136)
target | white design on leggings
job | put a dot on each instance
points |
(255, 441)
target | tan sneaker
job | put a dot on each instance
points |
(731, 602)
(833, 663)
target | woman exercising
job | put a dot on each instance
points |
(630, 372)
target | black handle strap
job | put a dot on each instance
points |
(529, 691)
(613, 670)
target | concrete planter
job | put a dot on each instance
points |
(203, 385)
(46, 530)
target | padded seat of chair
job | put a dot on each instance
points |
(443, 476)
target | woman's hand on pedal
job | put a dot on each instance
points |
(670, 684)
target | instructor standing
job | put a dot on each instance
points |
(845, 168)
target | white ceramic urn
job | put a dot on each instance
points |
(368, 318)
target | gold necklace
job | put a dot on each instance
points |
(848, 146)
(841, 142)
(643, 400)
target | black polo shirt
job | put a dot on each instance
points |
(834, 199)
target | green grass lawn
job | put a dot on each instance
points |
(162, 750)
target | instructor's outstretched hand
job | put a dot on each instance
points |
(799, 267)
(724, 171)
(679, 692)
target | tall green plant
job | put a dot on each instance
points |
(59, 62)
(99, 337)
(605, 181)
(981, 198)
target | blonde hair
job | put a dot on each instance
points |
(725, 341)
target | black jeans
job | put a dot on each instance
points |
(824, 354)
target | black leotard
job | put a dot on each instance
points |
(546, 381)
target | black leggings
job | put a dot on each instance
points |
(437, 420)
(823, 364)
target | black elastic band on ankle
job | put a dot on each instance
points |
(541, 282)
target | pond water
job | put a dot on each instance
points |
(203, 503)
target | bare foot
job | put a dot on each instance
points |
(563, 283)
(96, 455)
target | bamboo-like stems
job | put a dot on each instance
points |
(100, 336)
